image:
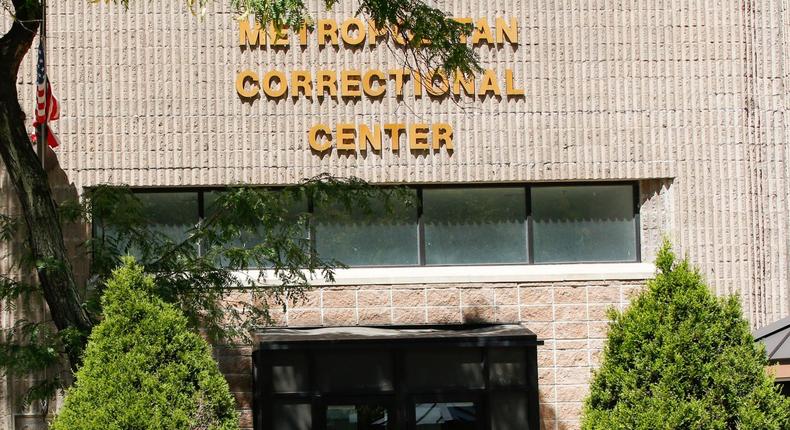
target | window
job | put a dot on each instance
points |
(449, 368)
(452, 225)
(583, 223)
(379, 236)
(210, 209)
(475, 225)
(292, 416)
(257, 234)
(358, 417)
(171, 213)
(405, 378)
(446, 416)
(170, 216)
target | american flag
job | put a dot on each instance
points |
(47, 107)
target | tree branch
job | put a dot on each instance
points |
(44, 232)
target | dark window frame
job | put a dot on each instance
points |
(419, 188)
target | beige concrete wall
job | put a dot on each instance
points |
(7, 314)
(693, 91)
(32, 308)
(13, 388)
(692, 94)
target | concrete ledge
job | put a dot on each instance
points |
(483, 274)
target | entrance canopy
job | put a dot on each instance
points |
(459, 377)
(397, 336)
(776, 338)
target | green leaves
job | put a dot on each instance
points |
(212, 276)
(679, 357)
(279, 12)
(11, 290)
(665, 259)
(8, 227)
(144, 368)
(29, 347)
(433, 38)
(217, 275)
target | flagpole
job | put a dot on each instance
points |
(42, 128)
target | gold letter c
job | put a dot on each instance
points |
(242, 78)
(317, 145)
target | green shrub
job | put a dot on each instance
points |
(144, 369)
(680, 358)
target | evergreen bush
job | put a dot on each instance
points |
(680, 358)
(144, 369)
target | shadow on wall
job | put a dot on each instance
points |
(478, 315)
(655, 215)
(548, 416)
(75, 234)
(492, 314)
(33, 417)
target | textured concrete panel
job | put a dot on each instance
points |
(688, 97)
(693, 92)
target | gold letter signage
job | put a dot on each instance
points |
(350, 84)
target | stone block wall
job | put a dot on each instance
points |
(569, 317)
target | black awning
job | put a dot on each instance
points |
(484, 376)
(776, 338)
(397, 336)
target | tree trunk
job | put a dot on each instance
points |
(45, 235)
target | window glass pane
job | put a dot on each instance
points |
(475, 225)
(509, 411)
(357, 417)
(172, 213)
(289, 372)
(446, 416)
(354, 371)
(583, 223)
(507, 367)
(294, 209)
(251, 238)
(292, 416)
(452, 368)
(368, 238)
(246, 238)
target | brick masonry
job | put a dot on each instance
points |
(569, 317)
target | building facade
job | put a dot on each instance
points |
(546, 183)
